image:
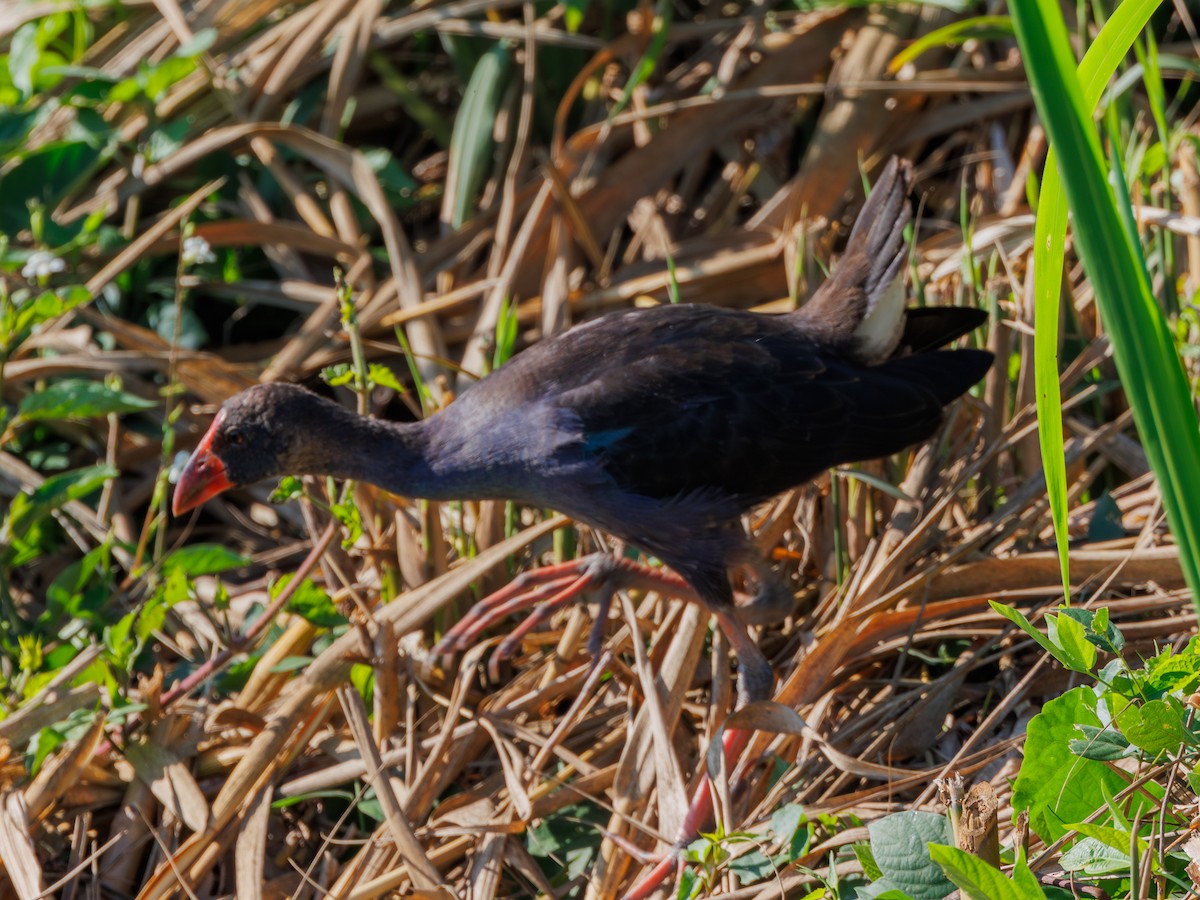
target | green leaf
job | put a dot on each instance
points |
(1170, 672)
(370, 806)
(119, 642)
(1018, 618)
(310, 603)
(23, 55)
(752, 867)
(1069, 641)
(566, 843)
(1099, 63)
(80, 588)
(175, 587)
(573, 15)
(1113, 837)
(159, 79)
(43, 177)
(338, 375)
(289, 487)
(41, 745)
(866, 859)
(350, 516)
(883, 889)
(1024, 879)
(402, 189)
(1068, 635)
(46, 306)
(1156, 726)
(125, 90)
(201, 41)
(26, 510)
(1096, 627)
(1103, 744)
(191, 333)
(1090, 857)
(75, 398)
(1054, 785)
(381, 375)
(705, 850)
(974, 877)
(149, 619)
(691, 885)
(790, 827)
(204, 559)
(101, 672)
(900, 844)
(471, 143)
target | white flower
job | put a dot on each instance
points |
(196, 250)
(41, 264)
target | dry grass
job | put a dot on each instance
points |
(892, 655)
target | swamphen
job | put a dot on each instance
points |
(659, 426)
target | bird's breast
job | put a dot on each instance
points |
(526, 452)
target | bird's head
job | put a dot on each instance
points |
(266, 431)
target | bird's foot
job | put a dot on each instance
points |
(756, 678)
(772, 601)
(547, 590)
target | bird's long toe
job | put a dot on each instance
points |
(548, 589)
(494, 608)
(544, 609)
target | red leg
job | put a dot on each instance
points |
(548, 589)
(755, 682)
(699, 815)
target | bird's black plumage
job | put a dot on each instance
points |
(660, 426)
(686, 398)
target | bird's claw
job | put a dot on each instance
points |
(544, 591)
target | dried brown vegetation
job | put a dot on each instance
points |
(725, 176)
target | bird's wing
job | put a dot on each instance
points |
(745, 405)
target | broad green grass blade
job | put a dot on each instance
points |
(471, 144)
(1099, 63)
(1145, 354)
(977, 28)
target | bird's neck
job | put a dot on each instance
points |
(392, 455)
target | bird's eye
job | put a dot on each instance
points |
(235, 437)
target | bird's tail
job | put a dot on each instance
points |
(947, 374)
(864, 298)
(929, 327)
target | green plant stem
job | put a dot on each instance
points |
(1144, 352)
